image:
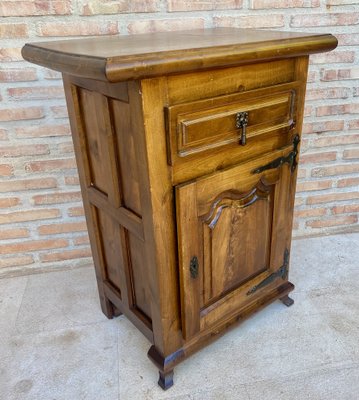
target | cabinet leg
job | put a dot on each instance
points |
(166, 379)
(287, 300)
(109, 309)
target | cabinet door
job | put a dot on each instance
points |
(233, 234)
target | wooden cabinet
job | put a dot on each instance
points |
(187, 146)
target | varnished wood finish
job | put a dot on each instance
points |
(133, 57)
(189, 224)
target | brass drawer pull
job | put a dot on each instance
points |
(241, 123)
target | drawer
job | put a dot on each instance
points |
(238, 126)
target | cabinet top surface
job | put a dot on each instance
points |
(116, 58)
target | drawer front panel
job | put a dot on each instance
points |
(217, 126)
(209, 134)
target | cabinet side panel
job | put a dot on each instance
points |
(121, 118)
(93, 127)
(111, 243)
(138, 272)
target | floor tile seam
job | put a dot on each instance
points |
(45, 331)
(334, 366)
(21, 302)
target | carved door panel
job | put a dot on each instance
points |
(232, 235)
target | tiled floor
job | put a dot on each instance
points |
(55, 344)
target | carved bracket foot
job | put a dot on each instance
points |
(166, 379)
(286, 300)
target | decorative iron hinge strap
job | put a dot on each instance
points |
(290, 159)
(281, 273)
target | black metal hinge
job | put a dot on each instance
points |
(290, 159)
(282, 272)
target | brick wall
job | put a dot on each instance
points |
(41, 217)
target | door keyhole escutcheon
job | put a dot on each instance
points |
(193, 267)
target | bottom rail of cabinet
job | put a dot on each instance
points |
(166, 364)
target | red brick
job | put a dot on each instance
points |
(339, 74)
(81, 240)
(347, 209)
(94, 7)
(50, 165)
(308, 111)
(313, 185)
(295, 225)
(299, 201)
(18, 113)
(3, 134)
(52, 75)
(16, 261)
(302, 173)
(318, 157)
(9, 202)
(348, 182)
(328, 93)
(323, 126)
(77, 28)
(312, 76)
(342, 19)
(42, 131)
(337, 109)
(6, 170)
(36, 93)
(352, 153)
(251, 21)
(29, 8)
(10, 54)
(269, 4)
(312, 212)
(354, 124)
(27, 184)
(66, 147)
(333, 57)
(76, 211)
(340, 2)
(72, 180)
(33, 245)
(332, 221)
(335, 140)
(335, 170)
(13, 30)
(165, 25)
(29, 215)
(57, 198)
(62, 228)
(13, 233)
(18, 75)
(348, 39)
(66, 255)
(333, 197)
(204, 5)
(24, 150)
(59, 111)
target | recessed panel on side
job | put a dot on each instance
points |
(113, 243)
(126, 154)
(138, 272)
(95, 134)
